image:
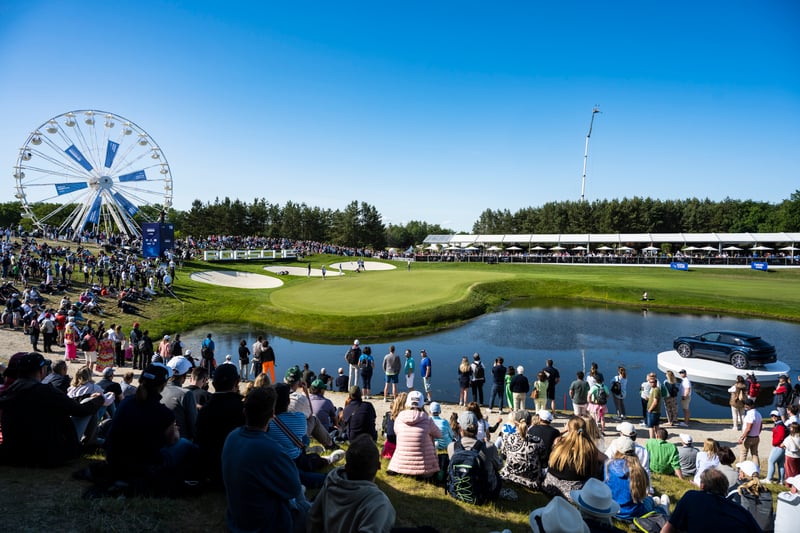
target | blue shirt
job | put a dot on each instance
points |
(424, 366)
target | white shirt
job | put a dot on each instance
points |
(751, 416)
(686, 387)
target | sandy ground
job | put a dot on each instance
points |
(239, 280)
(14, 341)
(332, 269)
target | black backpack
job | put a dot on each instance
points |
(616, 388)
(467, 479)
(601, 396)
(85, 344)
(480, 373)
(759, 506)
(352, 356)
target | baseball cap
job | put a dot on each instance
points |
(414, 399)
(467, 418)
(356, 342)
(166, 337)
(748, 467)
(180, 365)
(318, 384)
(436, 408)
(681, 371)
(30, 361)
(155, 372)
(685, 438)
(108, 372)
(627, 429)
(625, 446)
(293, 375)
(774, 412)
(545, 415)
(794, 481)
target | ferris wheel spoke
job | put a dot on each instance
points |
(63, 154)
(67, 164)
(46, 173)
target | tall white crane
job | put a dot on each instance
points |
(595, 110)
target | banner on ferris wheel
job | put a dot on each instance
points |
(111, 153)
(125, 204)
(76, 154)
(139, 175)
(66, 188)
(94, 213)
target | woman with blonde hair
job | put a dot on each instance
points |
(261, 382)
(738, 395)
(464, 375)
(629, 483)
(574, 459)
(593, 430)
(398, 405)
(707, 458)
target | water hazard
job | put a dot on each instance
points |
(572, 336)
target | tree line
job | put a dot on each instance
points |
(360, 225)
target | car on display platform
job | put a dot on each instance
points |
(742, 350)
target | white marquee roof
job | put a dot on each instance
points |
(618, 238)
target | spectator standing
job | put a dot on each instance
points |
(751, 434)
(351, 356)
(464, 372)
(598, 401)
(519, 387)
(783, 395)
(268, 360)
(619, 390)
(738, 393)
(425, 367)
(391, 369)
(477, 378)
(792, 446)
(777, 455)
(669, 392)
(498, 383)
(244, 360)
(408, 370)
(366, 366)
(553, 378)
(686, 397)
(653, 405)
(579, 394)
(258, 347)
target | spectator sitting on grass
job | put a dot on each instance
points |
(350, 500)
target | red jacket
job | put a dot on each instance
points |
(779, 433)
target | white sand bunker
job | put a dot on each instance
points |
(301, 271)
(368, 265)
(239, 280)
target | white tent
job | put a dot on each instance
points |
(761, 248)
(651, 249)
(515, 248)
(709, 248)
(558, 248)
(494, 248)
(538, 248)
(604, 248)
(580, 248)
(732, 249)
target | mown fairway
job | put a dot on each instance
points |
(432, 296)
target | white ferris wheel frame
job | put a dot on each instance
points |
(100, 180)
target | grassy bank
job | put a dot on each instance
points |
(382, 304)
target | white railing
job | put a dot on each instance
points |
(247, 255)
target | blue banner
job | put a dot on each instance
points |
(125, 204)
(759, 265)
(679, 265)
(66, 188)
(111, 153)
(151, 239)
(134, 176)
(76, 154)
(94, 212)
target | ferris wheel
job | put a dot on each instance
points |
(92, 170)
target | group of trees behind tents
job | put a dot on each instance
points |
(360, 225)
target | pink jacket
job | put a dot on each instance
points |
(415, 454)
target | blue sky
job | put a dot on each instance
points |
(431, 110)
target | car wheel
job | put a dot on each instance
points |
(739, 360)
(684, 350)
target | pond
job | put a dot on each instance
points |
(572, 336)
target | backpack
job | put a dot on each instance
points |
(480, 373)
(651, 522)
(760, 507)
(467, 479)
(352, 356)
(755, 388)
(175, 348)
(85, 346)
(363, 362)
(673, 389)
(601, 396)
(616, 388)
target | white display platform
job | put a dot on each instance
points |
(715, 373)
